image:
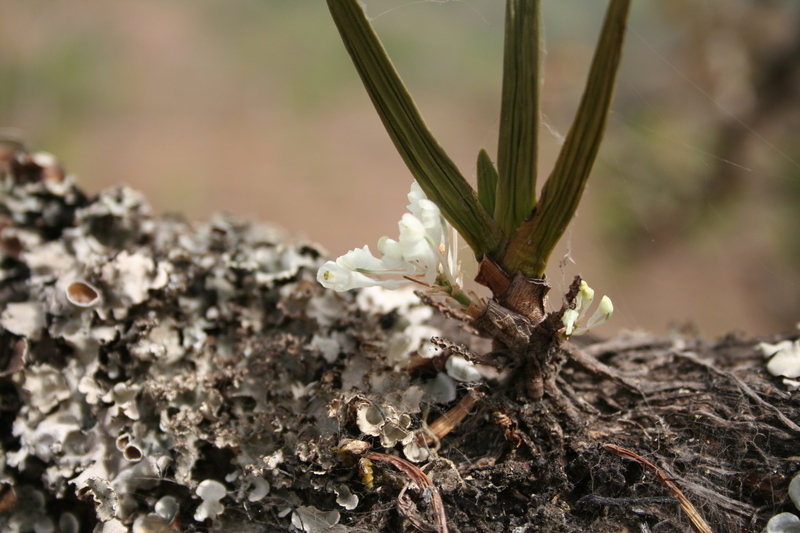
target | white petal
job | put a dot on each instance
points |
(791, 384)
(603, 313)
(415, 195)
(339, 279)
(416, 247)
(360, 259)
(332, 276)
(584, 298)
(771, 349)
(360, 281)
(568, 319)
(392, 254)
(428, 213)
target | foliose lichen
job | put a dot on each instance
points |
(159, 373)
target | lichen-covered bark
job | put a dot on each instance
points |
(146, 361)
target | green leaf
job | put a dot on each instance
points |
(530, 247)
(487, 181)
(429, 164)
(519, 115)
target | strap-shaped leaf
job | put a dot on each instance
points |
(519, 115)
(530, 247)
(429, 164)
(487, 181)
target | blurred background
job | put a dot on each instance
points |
(692, 215)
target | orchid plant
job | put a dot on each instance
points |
(510, 229)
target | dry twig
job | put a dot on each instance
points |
(697, 521)
(448, 421)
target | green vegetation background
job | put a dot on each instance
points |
(253, 107)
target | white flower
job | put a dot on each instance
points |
(572, 317)
(361, 260)
(429, 214)
(422, 254)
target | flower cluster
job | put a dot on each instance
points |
(572, 317)
(424, 254)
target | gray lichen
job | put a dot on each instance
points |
(159, 373)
